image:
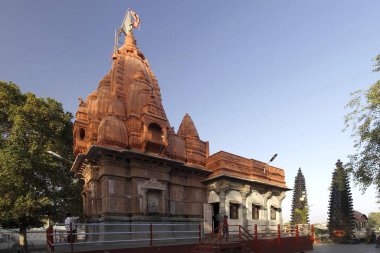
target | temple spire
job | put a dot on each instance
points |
(187, 128)
(129, 39)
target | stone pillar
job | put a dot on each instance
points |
(266, 196)
(91, 190)
(163, 202)
(222, 204)
(222, 188)
(244, 192)
(165, 136)
(280, 199)
(112, 182)
(144, 201)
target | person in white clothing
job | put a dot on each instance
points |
(71, 228)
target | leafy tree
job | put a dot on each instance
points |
(303, 214)
(364, 120)
(374, 220)
(341, 213)
(33, 184)
(300, 210)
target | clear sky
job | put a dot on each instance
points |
(257, 77)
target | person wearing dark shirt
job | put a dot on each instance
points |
(225, 228)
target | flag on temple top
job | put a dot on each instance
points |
(126, 26)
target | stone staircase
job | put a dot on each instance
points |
(213, 243)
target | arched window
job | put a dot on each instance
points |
(155, 132)
(234, 210)
(255, 212)
(82, 133)
(273, 212)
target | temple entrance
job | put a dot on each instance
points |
(215, 216)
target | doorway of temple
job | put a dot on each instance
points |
(215, 217)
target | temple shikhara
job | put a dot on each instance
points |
(137, 168)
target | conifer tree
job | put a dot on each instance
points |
(340, 214)
(300, 211)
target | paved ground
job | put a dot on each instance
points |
(318, 248)
(345, 248)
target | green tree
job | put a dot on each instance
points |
(300, 210)
(341, 213)
(374, 220)
(33, 184)
(364, 121)
(303, 214)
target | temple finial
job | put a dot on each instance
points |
(126, 28)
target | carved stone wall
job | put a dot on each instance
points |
(129, 184)
(153, 197)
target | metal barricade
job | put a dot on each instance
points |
(153, 234)
(125, 234)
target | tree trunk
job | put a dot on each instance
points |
(23, 241)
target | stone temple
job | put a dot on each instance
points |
(136, 168)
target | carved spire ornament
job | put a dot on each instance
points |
(126, 28)
(128, 24)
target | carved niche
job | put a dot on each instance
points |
(153, 195)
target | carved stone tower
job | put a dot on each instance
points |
(131, 160)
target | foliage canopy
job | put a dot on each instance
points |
(303, 213)
(33, 184)
(364, 121)
(374, 220)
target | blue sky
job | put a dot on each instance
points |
(257, 77)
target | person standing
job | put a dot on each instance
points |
(225, 227)
(71, 228)
(50, 237)
(373, 237)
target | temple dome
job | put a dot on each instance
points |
(112, 132)
(106, 81)
(187, 128)
(91, 104)
(93, 95)
(98, 102)
(117, 108)
(140, 76)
